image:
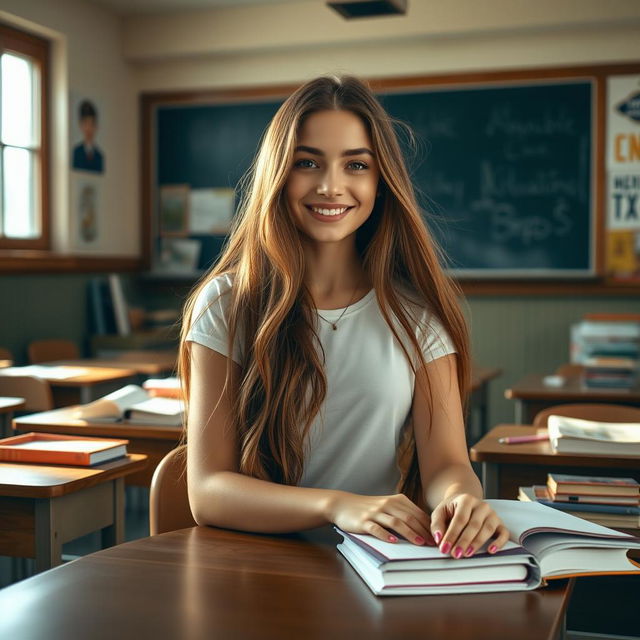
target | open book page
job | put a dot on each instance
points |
(157, 406)
(113, 405)
(526, 518)
(48, 372)
(561, 426)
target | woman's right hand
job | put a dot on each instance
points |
(381, 516)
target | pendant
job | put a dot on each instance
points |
(335, 327)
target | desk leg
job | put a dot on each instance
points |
(86, 395)
(519, 410)
(490, 479)
(47, 541)
(114, 534)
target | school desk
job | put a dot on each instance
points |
(202, 583)
(479, 400)
(43, 506)
(605, 604)
(7, 407)
(154, 441)
(531, 395)
(92, 383)
(153, 363)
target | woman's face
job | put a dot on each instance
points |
(331, 188)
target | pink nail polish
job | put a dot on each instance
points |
(458, 552)
(419, 540)
(493, 548)
(437, 536)
(393, 539)
(468, 552)
(446, 547)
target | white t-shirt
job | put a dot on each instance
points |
(353, 440)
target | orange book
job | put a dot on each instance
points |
(163, 387)
(612, 317)
(50, 448)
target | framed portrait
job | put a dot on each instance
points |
(173, 214)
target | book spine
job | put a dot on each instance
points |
(594, 508)
(45, 457)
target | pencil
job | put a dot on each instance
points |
(522, 439)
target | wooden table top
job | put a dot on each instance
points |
(91, 376)
(62, 421)
(6, 363)
(532, 387)
(25, 480)
(9, 404)
(482, 375)
(153, 366)
(488, 449)
(211, 583)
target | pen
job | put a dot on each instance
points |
(522, 439)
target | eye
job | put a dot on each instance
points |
(357, 165)
(305, 163)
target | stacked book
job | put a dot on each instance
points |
(608, 345)
(574, 435)
(545, 543)
(611, 502)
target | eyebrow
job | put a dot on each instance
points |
(347, 152)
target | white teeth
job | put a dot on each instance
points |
(329, 212)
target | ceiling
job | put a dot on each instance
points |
(129, 7)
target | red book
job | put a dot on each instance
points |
(49, 448)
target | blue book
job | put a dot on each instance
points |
(538, 493)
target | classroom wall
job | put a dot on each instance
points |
(232, 47)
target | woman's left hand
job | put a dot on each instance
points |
(461, 524)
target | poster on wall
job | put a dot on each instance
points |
(87, 170)
(623, 178)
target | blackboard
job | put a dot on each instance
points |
(504, 172)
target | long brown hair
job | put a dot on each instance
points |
(282, 383)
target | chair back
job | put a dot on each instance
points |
(35, 391)
(587, 411)
(168, 499)
(5, 354)
(49, 350)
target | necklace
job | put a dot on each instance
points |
(334, 325)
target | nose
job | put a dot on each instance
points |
(330, 184)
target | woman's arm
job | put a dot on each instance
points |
(220, 495)
(460, 521)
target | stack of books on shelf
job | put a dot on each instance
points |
(608, 345)
(545, 543)
(574, 435)
(611, 502)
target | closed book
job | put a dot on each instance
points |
(592, 485)
(50, 448)
(134, 404)
(539, 493)
(574, 435)
(545, 543)
(163, 387)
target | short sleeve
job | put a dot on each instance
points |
(209, 322)
(434, 338)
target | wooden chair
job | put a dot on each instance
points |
(587, 411)
(169, 508)
(49, 350)
(35, 391)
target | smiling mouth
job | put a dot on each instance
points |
(329, 212)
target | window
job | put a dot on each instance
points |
(24, 206)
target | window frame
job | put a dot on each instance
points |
(13, 40)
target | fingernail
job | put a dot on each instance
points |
(493, 548)
(419, 540)
(393, 539)
(468, 552)
(446, 547)
(458, 552)
(437, 536)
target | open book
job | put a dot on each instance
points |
(574, 435)
(134, 404)
(545, 543)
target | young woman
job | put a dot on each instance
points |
(325, 357)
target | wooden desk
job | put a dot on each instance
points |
(6, 363)
(203, 583)
(7, 407)
(153, 363)
(479, 401)
(44, 506)
(531, 396)
(505, 467)
(92, 383)
(151, 440)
